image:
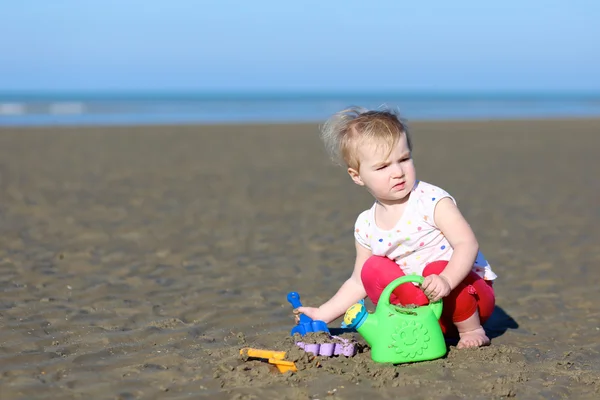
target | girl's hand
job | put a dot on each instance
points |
(310, 312)
(436, 287)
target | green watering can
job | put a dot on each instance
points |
(396, 334)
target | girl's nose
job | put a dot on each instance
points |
(398, 171)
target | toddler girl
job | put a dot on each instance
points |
(413, 227)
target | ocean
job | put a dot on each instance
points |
(53, 109)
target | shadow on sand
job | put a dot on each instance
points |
(499, 323)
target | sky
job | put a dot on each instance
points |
(333, 45)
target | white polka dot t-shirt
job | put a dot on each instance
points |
(415, 241)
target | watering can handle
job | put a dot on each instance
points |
(384, 299)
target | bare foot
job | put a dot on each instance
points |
(471, 333)
(474, 338)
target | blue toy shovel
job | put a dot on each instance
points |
(306, 324)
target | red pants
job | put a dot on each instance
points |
(473, 293)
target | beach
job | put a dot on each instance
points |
(136, 262)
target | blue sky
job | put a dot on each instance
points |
(225, 45)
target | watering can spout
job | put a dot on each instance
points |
(357, 317)
(368, 330)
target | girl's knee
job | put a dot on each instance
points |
(435, 268)
(486, 299)
(380, 262)
(375, 266)
(472, 296)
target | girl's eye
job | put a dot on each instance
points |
(382, 167)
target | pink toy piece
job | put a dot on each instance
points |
(346, 348)
(310, 348)
(327, 349)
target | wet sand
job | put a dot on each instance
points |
(136, 262)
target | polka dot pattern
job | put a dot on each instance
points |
(414, 240)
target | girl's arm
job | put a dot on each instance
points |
(453, 225)
(349, 293)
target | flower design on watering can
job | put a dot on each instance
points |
(410, 339)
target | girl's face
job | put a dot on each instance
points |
(389, 178)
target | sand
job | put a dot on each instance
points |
(136, 262)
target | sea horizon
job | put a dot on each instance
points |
(177, 94)
(31, 108)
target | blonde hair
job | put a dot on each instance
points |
(346, 130)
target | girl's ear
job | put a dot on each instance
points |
(355, 176)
